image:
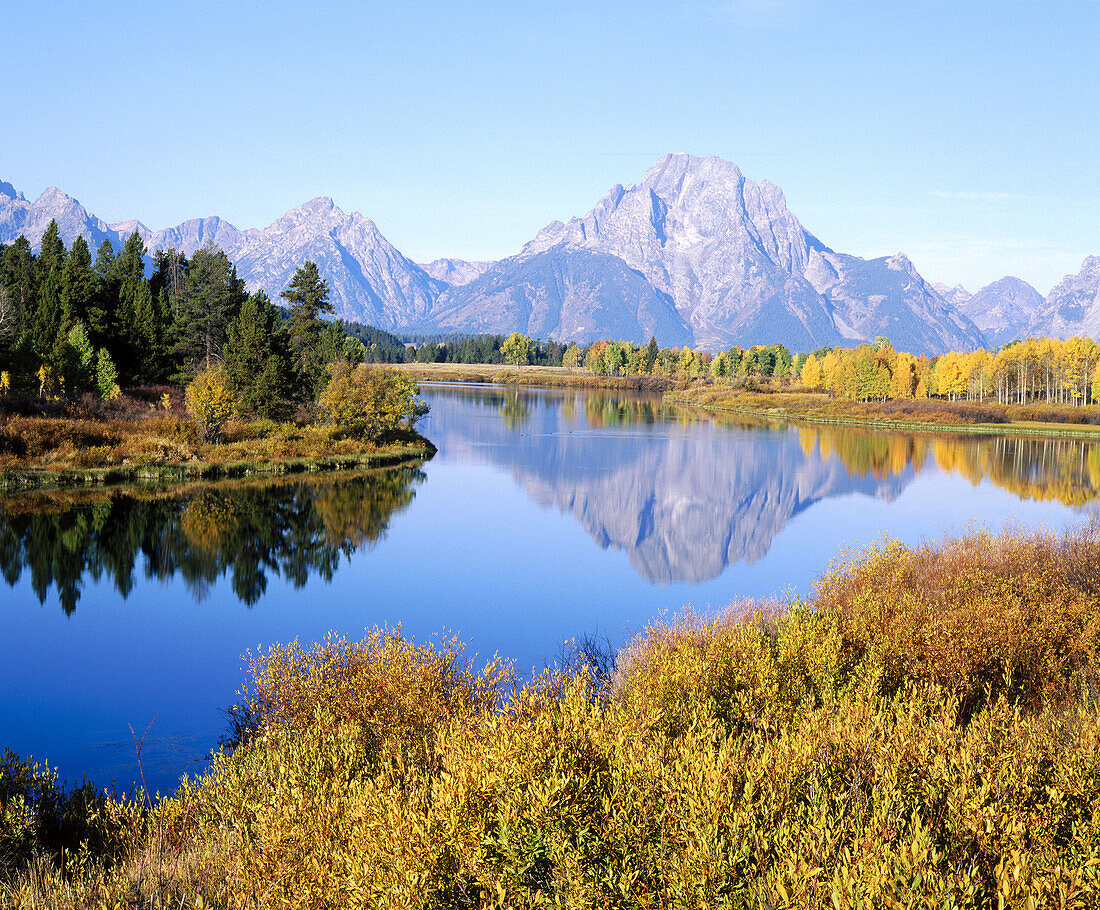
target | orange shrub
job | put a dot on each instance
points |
(1007, 614)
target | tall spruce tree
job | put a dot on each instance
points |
(78, 285)
(18, 276)
(257, 358)
(17, 271)
(130, 272)
(210, 300)
(307, 295)
(101, 312)
(167, 282)
(46, 333)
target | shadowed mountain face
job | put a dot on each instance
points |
(888, 297)
(1004, 310)
(1073, 306)
(577, 294)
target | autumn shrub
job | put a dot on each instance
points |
(93, 457)
(555, 798)
(369, 403)
(167, 426)
(394, 689)
(36, 436)
(1052, 413)
(210, 403)
(246, 430)
(980, 615)
(738, 667)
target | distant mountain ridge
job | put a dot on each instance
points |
(695, 253)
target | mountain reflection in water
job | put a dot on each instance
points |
(296, 529)
(683, 505)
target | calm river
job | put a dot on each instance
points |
(545, 515)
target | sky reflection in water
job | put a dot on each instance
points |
(122, 609)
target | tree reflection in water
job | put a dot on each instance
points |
(294, 529)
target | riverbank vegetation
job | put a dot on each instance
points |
(217, 381)
(924, 731)
(530, 375)
(1037, 381)
(971, 417)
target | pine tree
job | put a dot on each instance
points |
(307, 295)
(78, 285)
(78, 365)
(17, 271)
(256, 357)
(129, 271)
(47, 339)
(147, 336)
(101, 312)
(210, 300)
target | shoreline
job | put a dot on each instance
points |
(1082, 432)
(17, 480)
(533, 376)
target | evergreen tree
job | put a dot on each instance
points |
(9, 329)
(210, 300)
(148, 337)
(17, 272)
(256, 357)
(47, 339)
(130, 274)
(78, 285)
(106, 375)
(78, 365)
(307, 295)
(101, 312)
(651, 353)
(18, 277)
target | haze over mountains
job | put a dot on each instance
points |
(695, 253)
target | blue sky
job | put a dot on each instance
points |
(966, 134)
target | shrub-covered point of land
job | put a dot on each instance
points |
(924, 732)
(362, 402)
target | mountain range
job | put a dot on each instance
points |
(695, 253)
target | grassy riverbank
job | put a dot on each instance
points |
(131, 444)
(985, 419)
(924, 732)
(540, 376)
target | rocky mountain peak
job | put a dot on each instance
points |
(695, 253)
(317, 205)
(957, 296)
(1090, 266)
(456, 272)
(671, 174)
(1003, 309)
(51, 195)
(126, 228)
(899, 262)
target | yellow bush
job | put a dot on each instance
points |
(210, 402)
(369, 403)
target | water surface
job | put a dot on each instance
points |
(545, 515)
